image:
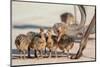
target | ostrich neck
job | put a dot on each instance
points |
(49, 37)
(43, 37)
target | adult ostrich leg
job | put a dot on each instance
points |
(85, 39)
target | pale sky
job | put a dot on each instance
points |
(32, 13)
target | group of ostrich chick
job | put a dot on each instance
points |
(42, 43)
(46, 41)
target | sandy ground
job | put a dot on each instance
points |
(88, 55)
